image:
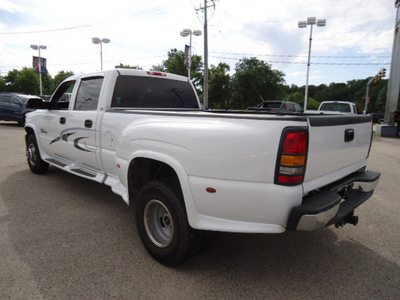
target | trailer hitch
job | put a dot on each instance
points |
(349, 219)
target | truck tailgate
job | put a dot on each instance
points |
(338, 146)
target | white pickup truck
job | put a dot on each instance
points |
(192, 172)
(344, 107)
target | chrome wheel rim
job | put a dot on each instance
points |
(158, 223)
(31, 154)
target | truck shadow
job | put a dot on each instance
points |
(78, 240)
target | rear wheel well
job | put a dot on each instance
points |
(144, 170)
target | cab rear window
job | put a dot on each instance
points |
(341, 107)
(148, 92)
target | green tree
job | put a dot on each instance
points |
(377, 96)
(11, 81)
(47, 84)
(322, 93)
(60, 77)
(219, 85)
(380, 104)
(339, 91)
(122, 66)
(312, 104)
(24, 81)
(254, 82)
(28, 82)
(175, 64)
(2, 84)
(356, 92)
(298, 97)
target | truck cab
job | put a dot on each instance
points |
(344, 107)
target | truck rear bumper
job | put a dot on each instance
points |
(334, 203)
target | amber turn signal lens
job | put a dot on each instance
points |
(292, 160)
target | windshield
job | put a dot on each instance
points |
(271, 105)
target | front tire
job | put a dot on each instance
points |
(162, 223)
(35, 162)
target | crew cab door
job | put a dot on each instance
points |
(81, 125)
(51, 125)
(4, 106)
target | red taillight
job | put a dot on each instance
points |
(292, 157)
(156, 73)
(290, 179)
(295, 143)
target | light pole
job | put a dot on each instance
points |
(97, 40)
(303, 24)
(38, 47)
(189, 32)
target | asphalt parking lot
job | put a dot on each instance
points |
(64, 237)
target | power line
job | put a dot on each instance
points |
(298, 56)
(332, 17)
(314, 63)
(49, 30)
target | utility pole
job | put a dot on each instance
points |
(393, 93)
(366, 101)
(205, 55)
(394, 79)
(204, 9)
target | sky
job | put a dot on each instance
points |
(355, 43)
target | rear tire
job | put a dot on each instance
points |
(35, 162)
(162, 224)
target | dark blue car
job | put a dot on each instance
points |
(13, 107)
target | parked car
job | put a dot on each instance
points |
(277, 106)
(13, 106)
(378, 117)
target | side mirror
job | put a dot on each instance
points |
(37, 103)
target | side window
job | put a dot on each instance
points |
(61, 98)
(290, 106)
(88, 93)
(15, 101)
(297, 107)
(5, 99)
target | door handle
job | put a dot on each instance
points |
(348, 135)
(62, 120)
(88, 123)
